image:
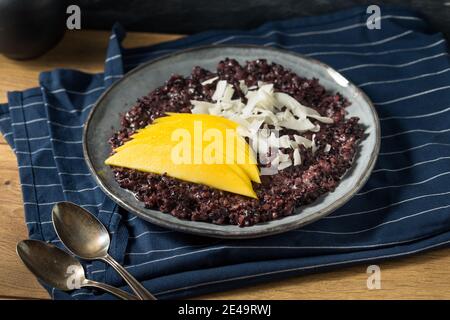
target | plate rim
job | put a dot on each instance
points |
(203, 230)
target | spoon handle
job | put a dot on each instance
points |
(113, 290)
(135, 285)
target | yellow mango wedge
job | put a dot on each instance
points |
(174, 118)
(161, 130)
(154, 150)
(163, 137)
(150, 158)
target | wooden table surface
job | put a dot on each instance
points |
(424, 276)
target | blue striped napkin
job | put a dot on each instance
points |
(402, 210)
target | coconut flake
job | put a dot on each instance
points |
(209, 81)
(267, 87)
(201, 107)
(297, 124)
(243, 132)
(294, 144)
(220, 90)
(302, 140)
(265, 132)
(273, 141)
(284, 165)
(299, 110)
(262, 142)
(314, 145)
(285, 116)
(227, 94)
(316, 128)
(322, 119)
(236, 118)
(285, 141)
(261, 114)
(226, 105)
(255, 125)
(327, 148)
(243, 86)
(297, 158)
(275, 162)
(216, 110)
(237, 106)
(260, 83)
(264, 106)
(262, 98)
(283, 156)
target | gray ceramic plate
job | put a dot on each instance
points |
(104, 120)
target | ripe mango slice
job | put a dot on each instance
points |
(163, 138)
(195, 152)
(205, 118)
(151, 150)
(150, 158)
(211, 121)
(164, 126)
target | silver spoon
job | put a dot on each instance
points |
(59, 269)
(85, 236)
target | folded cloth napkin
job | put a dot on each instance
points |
(403, 209)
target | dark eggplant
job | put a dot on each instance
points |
(29, 28)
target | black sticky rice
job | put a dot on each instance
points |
(278, 194)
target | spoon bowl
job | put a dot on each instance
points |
(50, 264)
(59, 269)
(85, 236)
(81, 232)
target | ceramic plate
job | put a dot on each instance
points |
(104, 119)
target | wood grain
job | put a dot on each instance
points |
(81, 50)
(424, 276)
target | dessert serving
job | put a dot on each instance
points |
(240, 145)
